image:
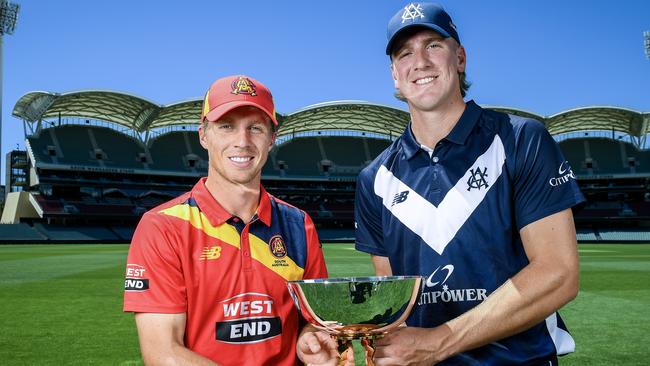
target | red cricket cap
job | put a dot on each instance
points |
(235, 91)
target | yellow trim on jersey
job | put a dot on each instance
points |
(285, 267)
(196, 218)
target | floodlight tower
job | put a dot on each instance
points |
(646, 43)
(8, 17)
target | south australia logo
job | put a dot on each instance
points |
(243, 85)
(277, 247)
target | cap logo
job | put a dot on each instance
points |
(243, 86)
(412, 12)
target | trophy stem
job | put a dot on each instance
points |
(345, 346)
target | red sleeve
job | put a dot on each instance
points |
(315, 267)
(154, 281)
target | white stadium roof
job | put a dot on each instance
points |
(140, 114)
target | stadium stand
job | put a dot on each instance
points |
(300, 157)
(72, 233)
(17, 233)
(609, 235)
(98, 160)
(117, 149)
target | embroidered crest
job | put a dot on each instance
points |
(477, 179)
(277, 247)
(243, 85)
(411, 12)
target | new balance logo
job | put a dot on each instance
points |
(477, 179)
(210, 253)
(400, 197)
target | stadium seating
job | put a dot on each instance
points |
(344, 150)
(19, 233)
(301, 157)
(75, 144)
(613, 235)
(607, 156)
(574, 152)
(121, 151)
(169, 152)
(641, 158)
(376, 146)
(123, 232)
(586, 235)
(43, 147)
(68, 234)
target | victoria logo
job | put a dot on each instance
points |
(411, 12)
(477, 179)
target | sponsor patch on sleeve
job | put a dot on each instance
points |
(135, 278)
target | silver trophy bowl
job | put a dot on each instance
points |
(356, 307)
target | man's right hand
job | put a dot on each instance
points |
(317, 348)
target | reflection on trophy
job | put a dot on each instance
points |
(363, 308)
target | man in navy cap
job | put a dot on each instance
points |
(475, 201)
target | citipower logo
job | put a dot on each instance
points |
(565, 173)
(437, 291)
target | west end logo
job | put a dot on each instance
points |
(135, 280)
(247, 318)
(477, 179)
(277, 247)
(436, 290)
(565, 173)
(243, 85)
(411, 12)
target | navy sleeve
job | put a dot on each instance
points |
(544, 181)
(367, 215)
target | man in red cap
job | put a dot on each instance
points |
(206, 272)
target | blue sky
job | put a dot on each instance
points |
(542, 56)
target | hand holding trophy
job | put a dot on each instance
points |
(363, 308)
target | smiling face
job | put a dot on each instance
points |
(238, 145)
(425, 67)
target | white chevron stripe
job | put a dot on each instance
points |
(437, 226)
(562, 340)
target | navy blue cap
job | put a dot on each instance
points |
(428, 15)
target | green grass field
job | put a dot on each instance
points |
(62, 304)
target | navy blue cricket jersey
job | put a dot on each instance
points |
(454, 215)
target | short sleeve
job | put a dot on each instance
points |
(315, 267)
(154, 280)
(544, 182)
(367, 216)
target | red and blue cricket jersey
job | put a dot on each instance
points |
(191, 256)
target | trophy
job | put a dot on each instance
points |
(363, 308)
